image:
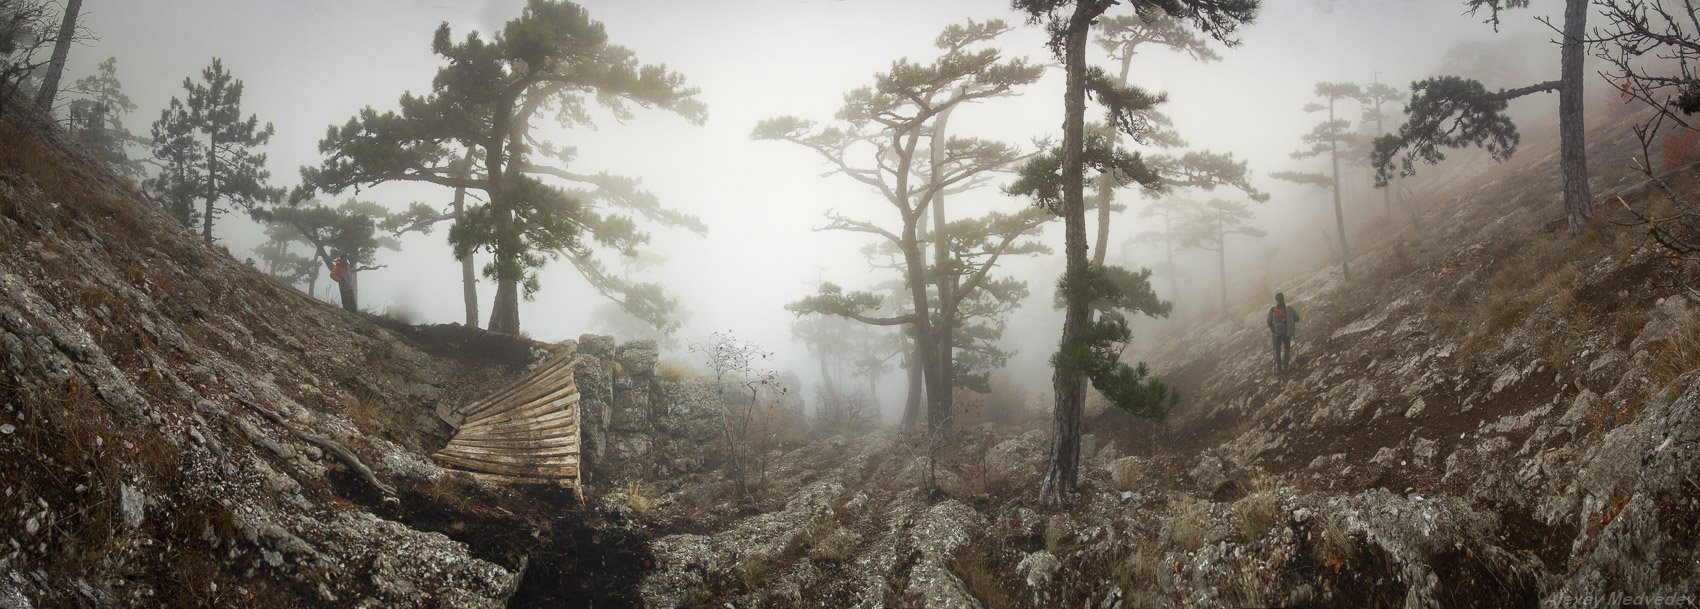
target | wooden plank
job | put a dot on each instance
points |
(562, 468)
(561, 422)
(546, 388)
(562, 403)
(498, 443)
(551, 378)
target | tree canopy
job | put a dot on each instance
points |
(554, 62)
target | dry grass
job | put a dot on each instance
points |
(1125, 474)
(1680, 352)
(1258, 511)
(635, 501)
(985, 578)
(1335, 544)
(1188, 525)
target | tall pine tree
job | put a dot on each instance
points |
(1455, 112)
(97, 118)
(1208, 229)
(232, 170)
(179, 156)
(1088, 348)
(552, 60)
(1327, 137)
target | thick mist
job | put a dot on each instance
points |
(311, 64)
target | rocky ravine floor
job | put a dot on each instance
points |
(1491, 414)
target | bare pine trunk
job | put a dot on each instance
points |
(468, 278)
(212, 189)
(912, 403)
(1169, 251)
(61, 50)
(1106, 191)
(939, 412)
(504, 314)
(1222, 262)
(1069, 382)
(350, 290)
(1339, 212)
(1572, 144)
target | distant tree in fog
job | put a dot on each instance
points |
(1376, 96)
(899, 124)
(1328, 137)
(278, 258)
(555, 61)
(1210, 226)
(1089, 348)
(1123, 37)
(97, 118)
(1173, 211)
(344, 239)
(1456, 112)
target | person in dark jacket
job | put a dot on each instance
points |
(1282, 319)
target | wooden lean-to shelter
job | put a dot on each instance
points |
(525, 432)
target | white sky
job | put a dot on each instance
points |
(308, 64)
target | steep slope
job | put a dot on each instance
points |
(177, 429)
(1491, 414)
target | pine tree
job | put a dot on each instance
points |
(1376, 96)
(61, 51)
(97, 118)
(1087, 349)
(344, 238)
(1454, 112)
(1208, 229)
(1327, 137)
(1173, 211)
(232, 170)
(180, 156)
(903, 116)
(489, 97)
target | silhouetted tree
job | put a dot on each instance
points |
(1328, 137)
(344, 238)
(553, 58)
(906, 107)
(179, 156)
(277, 254)
(26, 29)
(231, 170)
(1454, 112)
(1087, 349)
(97, 118)
(61, 51)
(1376, 96)
(1208, 229)
(1173, 211)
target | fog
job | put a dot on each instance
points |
(308, 64)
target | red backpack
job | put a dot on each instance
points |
(1279, 315)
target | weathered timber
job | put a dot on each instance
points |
(525, 432)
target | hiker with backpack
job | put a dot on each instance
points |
(1281, 320)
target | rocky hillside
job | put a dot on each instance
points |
(177, 429)
(1490, 414)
